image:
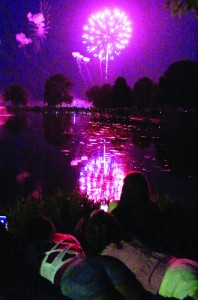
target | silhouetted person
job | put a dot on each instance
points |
(137, 213)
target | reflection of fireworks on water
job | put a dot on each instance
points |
(107, 34)
(102, 179)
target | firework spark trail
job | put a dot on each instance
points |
(86, 60)
(101, 76)
(88, 74)
(78, 58)
(106, 35)
(82, 62)
(80, 70)
(106, 63)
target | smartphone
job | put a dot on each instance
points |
(104, 207)
(3, 219)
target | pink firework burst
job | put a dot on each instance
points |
(107, 34)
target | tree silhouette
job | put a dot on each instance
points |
(57, 90)
(100, 96)
(178, 85)
(122, 94)
(118, 95)
(17, 95)
(180, 6)
(144, 93)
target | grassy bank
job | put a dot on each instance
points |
(63, 209)
(179, 219)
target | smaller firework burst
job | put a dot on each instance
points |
(39, 24)
(82, 66)
(23, 40)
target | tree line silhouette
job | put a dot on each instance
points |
(177, 86)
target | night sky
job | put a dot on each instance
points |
(158, 39)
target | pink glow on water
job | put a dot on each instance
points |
(102, 179)
(103, 170)
(3, 120)
(4, 115)
(106, 152)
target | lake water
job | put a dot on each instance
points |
(43, 152)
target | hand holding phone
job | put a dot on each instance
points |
(104, 206)
(3, 220)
